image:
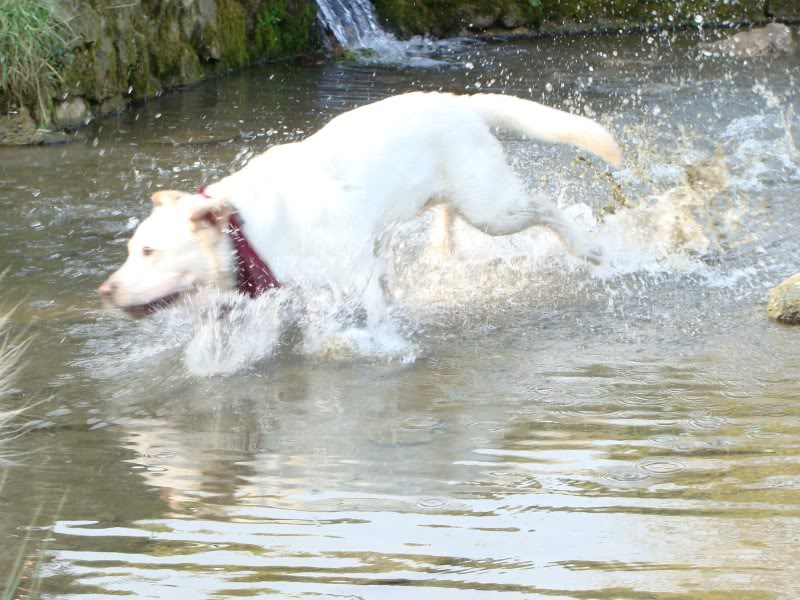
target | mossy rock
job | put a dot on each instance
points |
(18, 128)
(232, 32)
(629, 13)
(784, 9)
(784, 301)
(448, 17)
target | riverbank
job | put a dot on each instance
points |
(552, 17)
(103, 55)
(96, 57)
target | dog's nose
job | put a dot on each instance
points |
(107, 290)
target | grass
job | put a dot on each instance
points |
(12, 348)
(25, 577)
(33, 37)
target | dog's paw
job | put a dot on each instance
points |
(439, 252)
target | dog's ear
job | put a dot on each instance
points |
(167, 198)
(211, 212)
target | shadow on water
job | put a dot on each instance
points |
(557, 434)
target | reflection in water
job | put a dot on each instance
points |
(631, 433)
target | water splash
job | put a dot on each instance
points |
(683, 206)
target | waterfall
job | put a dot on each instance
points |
(355, 26)
(353, 23)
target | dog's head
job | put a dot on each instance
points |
(181, 246)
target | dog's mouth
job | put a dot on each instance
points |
(139, 311)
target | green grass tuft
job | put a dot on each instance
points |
(33, 37)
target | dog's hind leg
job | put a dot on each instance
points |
(543, 213)
(494, 200)
(442, 230)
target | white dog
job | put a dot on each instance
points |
(314, 212)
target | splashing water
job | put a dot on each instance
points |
(684, 229)
(684, 207)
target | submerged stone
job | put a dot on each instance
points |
(71, 113)
(18, 128)
(775, 38)
(784, 301)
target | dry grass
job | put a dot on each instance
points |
(12, 349)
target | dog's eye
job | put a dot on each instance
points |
(148, 251)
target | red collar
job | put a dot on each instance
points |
(253, 275)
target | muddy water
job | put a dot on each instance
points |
(529, 429)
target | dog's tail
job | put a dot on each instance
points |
(546, 124)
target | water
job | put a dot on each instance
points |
(354, 25)
(531, 429)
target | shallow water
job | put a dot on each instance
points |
(529, 429)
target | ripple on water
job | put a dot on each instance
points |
(396, 433)
(662, 466)
(487, 426)
(644, 401)
(430, 503)
(757, 433)
(665, 440)
(422, 422)
(626, 475)
(704, 422)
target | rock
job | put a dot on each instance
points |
(783, 9)
(85, 23)
(775, 38)
(478, 18)
(71, 114)
(513, 17)
(113, 106)
(17, 128)
(784, 301)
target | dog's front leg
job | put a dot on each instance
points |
(375, 297)
(442, 230)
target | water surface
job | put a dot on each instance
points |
(533, 429)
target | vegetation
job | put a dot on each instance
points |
(232, 33)
(116, 52)
(280, 31)
(33, 38)
(450, 17)
(12, 348)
